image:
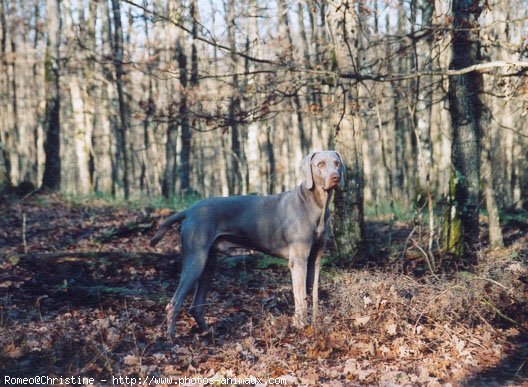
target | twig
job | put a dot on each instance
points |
(431, 301)
(24, 242)
(487, 302)
(520, 368)
(132, 331)
(449, 330)
(483, 300)
(431, 268)
(406, 243)
(29, 194)
(493, 282)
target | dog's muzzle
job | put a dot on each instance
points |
(332, 182)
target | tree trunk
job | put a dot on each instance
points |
(285, 22)
(185, 155)
(309, 94)
(82, 138)
(52, 169)
(491, 130)
(271, 160)
(400, 115)
(5, 162)
(453, 232)
(121, 93)
(168, 188)
(425, 101)
(348, 221)
(422, 119)
(170, 172)
(15, 126)
(194, 50)
(465, 108)
(186, 132)
(36, 84)
(523, 179)
(90, 86)
(145, 182)
(302, 32)
(236, 186)
(82, 129)
(103, 140)
(495, 231)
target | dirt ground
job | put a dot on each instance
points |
(82, 295)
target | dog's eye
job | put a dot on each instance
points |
(321, 164)
(337, 163)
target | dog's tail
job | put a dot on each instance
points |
(176, 218)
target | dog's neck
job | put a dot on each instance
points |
(322, 197)
(317, 194)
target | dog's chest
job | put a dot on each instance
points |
(321, 229)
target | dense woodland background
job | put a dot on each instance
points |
(149, 98)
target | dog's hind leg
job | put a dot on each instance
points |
(194, 261)
(197, 309)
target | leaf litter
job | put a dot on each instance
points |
(103, 313)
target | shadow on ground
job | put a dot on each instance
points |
(513, 368)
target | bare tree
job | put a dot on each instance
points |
(52, 170)
(495, 231)
(82, 120)
(424, 103)
(236, 181)
(186, 132)
(348, 204)
(121, 94)
(465, 107)
(5, 162)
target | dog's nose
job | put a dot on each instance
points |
(334, 178)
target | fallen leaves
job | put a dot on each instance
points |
(360, 321)
(375, 328)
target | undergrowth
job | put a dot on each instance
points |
(177, 202)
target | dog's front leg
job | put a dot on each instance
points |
(315, 286)
(312, 280)
(298, 263)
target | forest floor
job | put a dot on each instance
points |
(82, 295)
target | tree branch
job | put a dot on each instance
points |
(201, 38)
(441, 72)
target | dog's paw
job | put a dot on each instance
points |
(154, 241)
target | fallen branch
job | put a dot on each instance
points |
(142, 226)
(97, 290)
(68, 256)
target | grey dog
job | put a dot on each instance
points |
(293, 225)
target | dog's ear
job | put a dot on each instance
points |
(306, 169)
(342, 170)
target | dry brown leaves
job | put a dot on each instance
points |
(376, 327)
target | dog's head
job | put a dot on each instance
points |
(323, 169)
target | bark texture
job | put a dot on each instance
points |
(465, 108)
